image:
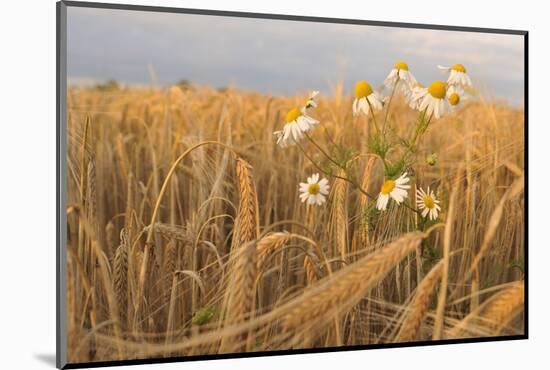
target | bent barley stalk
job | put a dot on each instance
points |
(416, 310)
(346, 287)
(491, 317)
(504, 307)
(171, 232)
(311, 263)
(268, 245)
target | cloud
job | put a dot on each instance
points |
(278, 56)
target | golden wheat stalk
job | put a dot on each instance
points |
(491, 317)
(129, 205)
(124, 163)
(311, 267)
(110, 238)
(494, 221)
(241, 283)
(416, 310)
(247, 222)
(71, 298)
(168, 269)
(361, 233)
(240, 292)
(269, 244)
(170, 231)
(338, 219)
(170, 319)
(120, 281)
(504, 307)
(447, 236)
(345, 288)
(91, 196)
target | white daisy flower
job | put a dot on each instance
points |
(400, 72)
(315, 190)
(412, 95)
(427, 203)
(363, 96)
(396, 189)
(455, 97)
(297, 122)
(457, 75)
(311, 103)
(433, 99)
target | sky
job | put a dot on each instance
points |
(279, 57)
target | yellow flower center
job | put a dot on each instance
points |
(362, 89)
(437, 89)
(313, 189)
(401, 65)
(459, 68)
(429, 202)
(454, 99)
(387, 187)
(292, 115)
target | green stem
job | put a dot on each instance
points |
(389, 104)
(322, 150)
(419, 127)
(352, 182)
(333, 175)
(373, 116)
(329, 137)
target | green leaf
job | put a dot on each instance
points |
(204, 315)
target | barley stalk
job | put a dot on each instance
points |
(361, 234)
(494, 314)
(120, 281)
(168, 268)
(504, 307)
(346, 287)
(169, 231)
(338, 221)
(268, 245)
(416, 310)
(247, 222)
(240, 292)
(442, 299)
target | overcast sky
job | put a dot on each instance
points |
(279, 56)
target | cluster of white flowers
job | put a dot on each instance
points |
(297, 122)
(315, 190)
(441, 97)
(434, 101)
(397, 190)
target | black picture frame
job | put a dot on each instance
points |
(61, 116)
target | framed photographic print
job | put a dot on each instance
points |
(236, 184)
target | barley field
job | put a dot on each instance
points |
(187, 234)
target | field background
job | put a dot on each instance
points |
(335, 275)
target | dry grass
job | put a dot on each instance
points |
(217, 254)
